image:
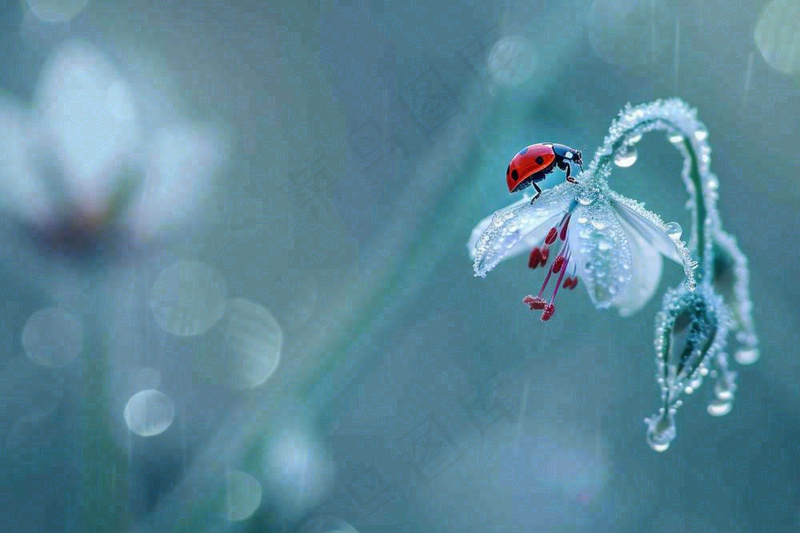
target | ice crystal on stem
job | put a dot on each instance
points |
(616, 247)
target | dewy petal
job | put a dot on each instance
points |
(654, 230)
(646, 266)
(88, 110)
(22, 191)
(181, 161)
(518, 227)
(600, 251)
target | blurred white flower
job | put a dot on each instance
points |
(78, 169)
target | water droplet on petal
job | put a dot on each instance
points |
(626, 157)
(701, 134)
(747, 356)
(674, 231)
(675, 137)
(582, 220)
(720, 407)
(149, 412)
(603, 244)
(598, 224)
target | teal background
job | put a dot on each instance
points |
(368, 139)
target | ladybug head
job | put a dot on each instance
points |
(568, 154)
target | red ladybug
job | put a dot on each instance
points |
(533, 163)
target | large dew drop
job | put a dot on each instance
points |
(626, 157)
(747, 356)
(720, 407)
(149, 412)
(52, 337)
(244, 495)
(660, 431)
(674, 231)
(188, 298)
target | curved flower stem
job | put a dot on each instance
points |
(676, 117)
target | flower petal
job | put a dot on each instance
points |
(89, 112)
(518, 227)
(635, 216)
(600, 252)
(646, 266)
(181, 161)
(22, 192)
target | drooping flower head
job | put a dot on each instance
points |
(615, 246)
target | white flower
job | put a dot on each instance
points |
(610, 242)
(78, 166)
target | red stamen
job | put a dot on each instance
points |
(545, 255)
(564, 228)
(548, 312)
(534, 303)
(535, 258)
(551, 236)
(567, 283)
(558, 263)
(574, 283)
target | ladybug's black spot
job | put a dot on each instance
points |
(522, 152)
(514, 174)
(539, 160)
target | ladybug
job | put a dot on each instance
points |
(533, 163)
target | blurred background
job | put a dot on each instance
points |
(237, 296)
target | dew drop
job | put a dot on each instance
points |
(674, 231)
(720, 407)
(713, 183)
(598, 224)
(723, 392)
(626, 157)
(660, 431)
(747, 356)
(689, 390)
(585, 199)
(603, 244)
(635, 138)
(675, 138)
(582, 220)
(149, 412)
(701, 134)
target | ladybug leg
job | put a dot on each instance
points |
(569, 175)
(538, 192)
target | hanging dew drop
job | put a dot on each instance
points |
(660, 431)
(626, 157)
(720, 407)
(674, 231)
(746, 356)
(675, 138)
